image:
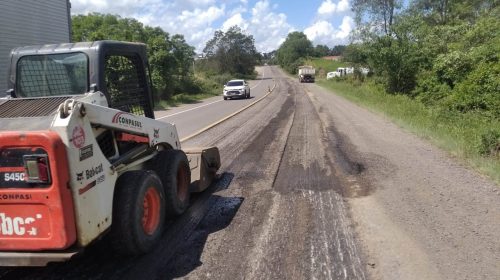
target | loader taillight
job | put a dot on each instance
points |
(37, 169)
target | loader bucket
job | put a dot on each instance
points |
(204, 163)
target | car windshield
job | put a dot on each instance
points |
(234, 83)
(51, 75)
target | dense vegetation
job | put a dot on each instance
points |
(172, 60)
(228, 55)
(170, 57)
(435, 69)
(297, 48)
(443, 54)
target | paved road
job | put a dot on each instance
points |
(314, 187)
(193, 117)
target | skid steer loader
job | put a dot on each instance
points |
(82, 157)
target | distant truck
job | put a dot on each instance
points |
(306, 74)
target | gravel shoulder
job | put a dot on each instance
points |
(428, 216)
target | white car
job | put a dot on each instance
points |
(236, 89)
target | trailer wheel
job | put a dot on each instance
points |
(138, 212)
(173, 168)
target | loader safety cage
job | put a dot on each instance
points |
(109, 64)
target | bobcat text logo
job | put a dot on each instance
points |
(17, 225)
(93, 171)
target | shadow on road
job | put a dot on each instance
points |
(240, 99)
(188, 256)
(176, 255)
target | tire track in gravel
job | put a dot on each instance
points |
(314, 219)
(293, 222)
(227, 255)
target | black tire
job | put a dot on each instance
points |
(173, 168)
(133, 230)
(248, 94)
(225, 98)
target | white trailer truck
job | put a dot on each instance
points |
(81, 155)
(306, 74)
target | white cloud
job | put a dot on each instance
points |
(326, 28)
(318, 30)
(268, 28)
(236, 19)
(343, 6)
(323, 32)
(197, 20)
(198, 17)
(327, 7)
(201, 2)
(346, 27)
(192, 18)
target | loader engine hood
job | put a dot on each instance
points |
(29, 113)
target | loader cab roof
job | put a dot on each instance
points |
(80, 46)
(107, 63)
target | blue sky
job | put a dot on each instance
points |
(325, 22)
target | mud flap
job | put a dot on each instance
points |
(204, 163)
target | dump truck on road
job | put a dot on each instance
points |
(82, 157)
(306, 74)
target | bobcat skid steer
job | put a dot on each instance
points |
(81, 155)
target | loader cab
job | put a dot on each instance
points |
(119, 70)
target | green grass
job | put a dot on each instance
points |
(182, 98)
(324, 65)
(459, 134)
(209, 86)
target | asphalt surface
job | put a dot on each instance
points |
(313, 187)
(191, 118)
